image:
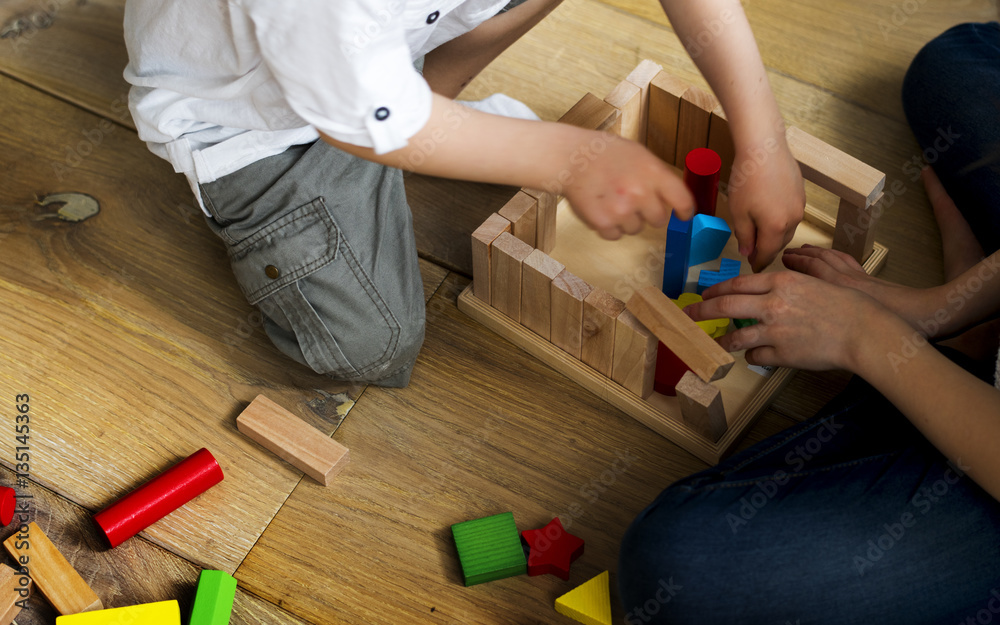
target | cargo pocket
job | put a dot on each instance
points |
(323, 307)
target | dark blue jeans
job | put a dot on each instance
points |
(852, 516)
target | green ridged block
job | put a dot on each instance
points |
(213, 602)
(744, 323)
(489, 548)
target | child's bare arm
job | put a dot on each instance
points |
(767, 193)
(616, 186)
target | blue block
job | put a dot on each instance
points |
(709, 235)
(675, 261)
(729, 268)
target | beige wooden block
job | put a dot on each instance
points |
(545, 222)
(568, 294)
(641, 77)
(635, 355)
(701, 406)
(522, 213)
(627, 98)
(600, 310)
(11, 593)
(507, 257)
(293, 440)
(57, 580)
(537, 273)
(682, 335)
(665, 93)
(720, 139)
(855, 230)
(482, 241)
(837, 172)
(591, 113)
(693, 120)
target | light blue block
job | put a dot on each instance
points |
(728, 268)
(709, 235)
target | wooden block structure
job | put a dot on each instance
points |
(14, 591)
(545, 222)
(665, 91)
(589, 603)
(507, 259)
(568, 295)
(693, 120)
(159, 613)
(537, 273)
(634, 362)
(720, 139)
(701, 406)
(482, 250)
(293, 440)
(522, 213)
(600, 315)
(52, 574)
(489, 548)
(213, 601)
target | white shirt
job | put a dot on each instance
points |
(219, 85)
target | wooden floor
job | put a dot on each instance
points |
(137, 348)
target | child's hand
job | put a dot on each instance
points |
(624, 188)
(767, 198)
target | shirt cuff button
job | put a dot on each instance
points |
(272, 272)
(433, 17)
(381, 113)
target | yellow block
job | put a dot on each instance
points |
(712, 327)
(590, 603)
(159, 613)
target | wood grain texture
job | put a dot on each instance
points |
(441, 452)
(568, 294)
(701, 406)
(634, 364)
(627, 98)
(293, 440)
(694, 118)
(665, 91)
(641, 77)
(545, 224)
(591, 113)
(839, 173)
(482, 249)
(857, 227)
(52, 573)
(600, 312)
(720, 139)
(13, 594)
(506, 258)
(522, 213)
(537, 273)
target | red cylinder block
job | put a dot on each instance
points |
(8, 501)
(701, 175)
(159, 497)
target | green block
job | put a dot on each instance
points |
(213, 603)
(489, 548)
(744, 323)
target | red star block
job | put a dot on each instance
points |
(553, 549)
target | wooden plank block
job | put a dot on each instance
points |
(12, 593)
(568, 294)
(701, 406)
(682, 335)
(57, 580)
(482, 241)
(537, 273)
(508, 254)
(693, 120)
(545, 223)
(591, 113)
(720, 139)
(600, 310)
(522, 213)
(159, 613)
(635, 355)
(641, 77)
(665, 91)
(837, 172)
(627, 98)
(293, 440)
(855, 230)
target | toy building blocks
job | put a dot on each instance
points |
(507, 259)
(701, 174)
(589, 603)
(159, 613)
(709, 235)
(293, 440)
(675, 260)
(489, 548)
(8, 502)
(159, 497)
(537, 273)
(213, 601)
(57, 580)
(553, 550)
(482, 244)
(568, 295)
(14, 591)
(600, 313)
(728, 269)
(701, 406)
(522, 213)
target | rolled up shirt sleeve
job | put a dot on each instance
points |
(344, 67)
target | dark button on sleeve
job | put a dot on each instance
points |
(381, 113)
(433, 17)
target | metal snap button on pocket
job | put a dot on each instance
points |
(272, 272)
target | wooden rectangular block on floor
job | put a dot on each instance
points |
(545, 222)
(57, 580)
(537, 273)
(834, 170)
(682, 335)
(855, 229)
(159, 613)
(720, 139)
(293, 440)
(568, 294)
(213, 601)
(701, 406)
(641, 77)
(627, 98)
(600, 311)
(693, 120)
(665, 93)
(635, 355)
(12, 592)
(506, 258)
(591, 113)
(482, 242)
(522, 213)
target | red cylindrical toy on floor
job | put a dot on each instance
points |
(159, 497)
(701, 175)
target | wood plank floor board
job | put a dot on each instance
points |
(513, 435)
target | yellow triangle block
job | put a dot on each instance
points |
(590, 603)
(160, 613)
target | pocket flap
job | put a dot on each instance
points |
(287, 249)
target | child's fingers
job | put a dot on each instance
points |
(675, 195)
(770, 240)
(746, 233)
(936, 192)
(756, 284)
